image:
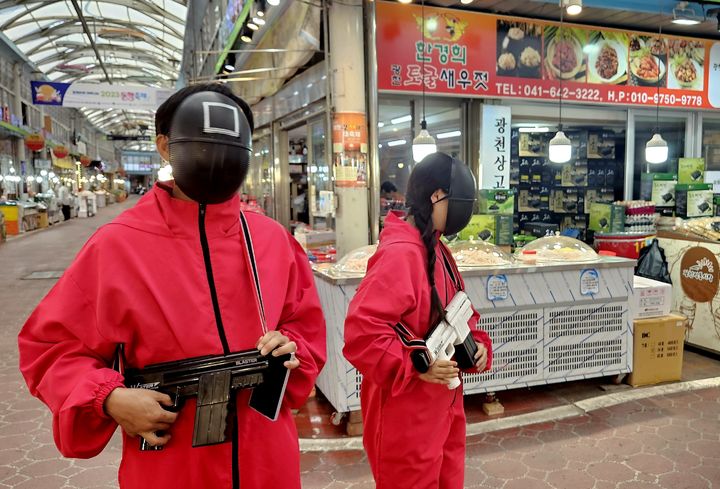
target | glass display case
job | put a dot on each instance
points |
(354, 264)
(478, 254)
(556, 249)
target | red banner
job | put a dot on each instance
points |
(484, 55)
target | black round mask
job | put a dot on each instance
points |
(210, 141)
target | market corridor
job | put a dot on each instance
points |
(670, 441)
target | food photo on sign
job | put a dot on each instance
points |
(686, 62)
(648, 61)
(607, 53)
(519, 48)
(564, 54)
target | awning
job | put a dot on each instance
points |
(66, 162)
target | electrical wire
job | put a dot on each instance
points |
(422, 75)
(562, 18)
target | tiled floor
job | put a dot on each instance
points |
(668, 442)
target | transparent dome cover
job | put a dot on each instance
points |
(556, 249)
(476, 253)
(354, 264)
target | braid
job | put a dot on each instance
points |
(424, 223)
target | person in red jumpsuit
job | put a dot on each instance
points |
(171, 279)
(414, 425)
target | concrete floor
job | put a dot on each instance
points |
(669, 441)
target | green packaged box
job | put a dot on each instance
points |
(498, 201)
(691, 170)
(658, 188)
(607, 218)
(694, 200)
(716, 201)
(489, 227)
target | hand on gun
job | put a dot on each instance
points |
(140, 412)
(441, 372)
(481, 357)
(278, 344)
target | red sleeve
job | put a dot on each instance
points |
(64, 360)
(386, 293)
(302, 321)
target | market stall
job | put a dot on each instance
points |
(555, 312)
(693, 263)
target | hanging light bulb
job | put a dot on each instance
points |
(560, 148)
(656, 150)
(423, 144)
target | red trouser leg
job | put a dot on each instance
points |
(452, 473)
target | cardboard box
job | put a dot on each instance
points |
(607, 218)
(657, 350)
(498, 201)
(691, 170)
(489, 227)
(652, 299)
(658, 188)
(694, 200)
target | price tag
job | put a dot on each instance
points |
(497, 288)
(589, 282)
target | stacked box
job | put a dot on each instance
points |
(660, 189)
(498, 201)
(691, 170)
(694, 200)
(657, 350)
(493, 228)
(607, 218)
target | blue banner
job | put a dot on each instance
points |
(48, 93)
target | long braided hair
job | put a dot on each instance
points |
(428, 176)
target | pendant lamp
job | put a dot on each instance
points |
(560, 148)
(656, 150)
(424, 143)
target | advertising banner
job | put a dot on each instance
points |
(483, 55)
(98, 96)
(495, 147)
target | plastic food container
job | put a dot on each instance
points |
(478, 254)
(556, 249)
(627, 245)
(354, 264)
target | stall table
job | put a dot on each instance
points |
(694, 271)
(549, 323)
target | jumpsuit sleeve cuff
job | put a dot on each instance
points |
(102, 393)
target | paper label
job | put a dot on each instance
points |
(497, 288)
(589, 282)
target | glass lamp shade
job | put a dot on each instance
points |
(560, 148)
(423, 145)
(656, 150)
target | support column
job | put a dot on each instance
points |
(17, 110)
(349, 121)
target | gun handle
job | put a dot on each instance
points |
(454, 383)
(465, 352)
(176, 406)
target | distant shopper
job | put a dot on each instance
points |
(414, 425)
(65, 198)
(181, 275)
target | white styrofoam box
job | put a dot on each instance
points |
(651, 298)
(587, 340)
(315, 239)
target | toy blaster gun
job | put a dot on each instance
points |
(214, 380)
(451, 337)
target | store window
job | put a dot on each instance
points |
(257, 191)
(396, 119)
(554, 197)
(711, 151)
(672, 129)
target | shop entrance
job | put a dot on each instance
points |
(308, 172)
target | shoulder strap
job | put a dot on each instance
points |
(255, 275)
(451, 269)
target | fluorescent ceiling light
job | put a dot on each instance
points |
(381, 124)
(656, 150)
(560, 148)
(451, 134)
(400, 120)
(258, 20)
(573, 7)
(534, 129)
(397, 142)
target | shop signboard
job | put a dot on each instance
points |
(98, 96)
(483, 55)
(495, 147)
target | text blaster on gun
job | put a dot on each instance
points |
(449, 338)
(214, 380)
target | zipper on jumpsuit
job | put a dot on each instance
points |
(221, 332)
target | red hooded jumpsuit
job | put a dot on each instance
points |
(144, 281)
(414, 431)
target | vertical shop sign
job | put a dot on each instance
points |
(714, 76)
(349, 138)
(495, 147)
